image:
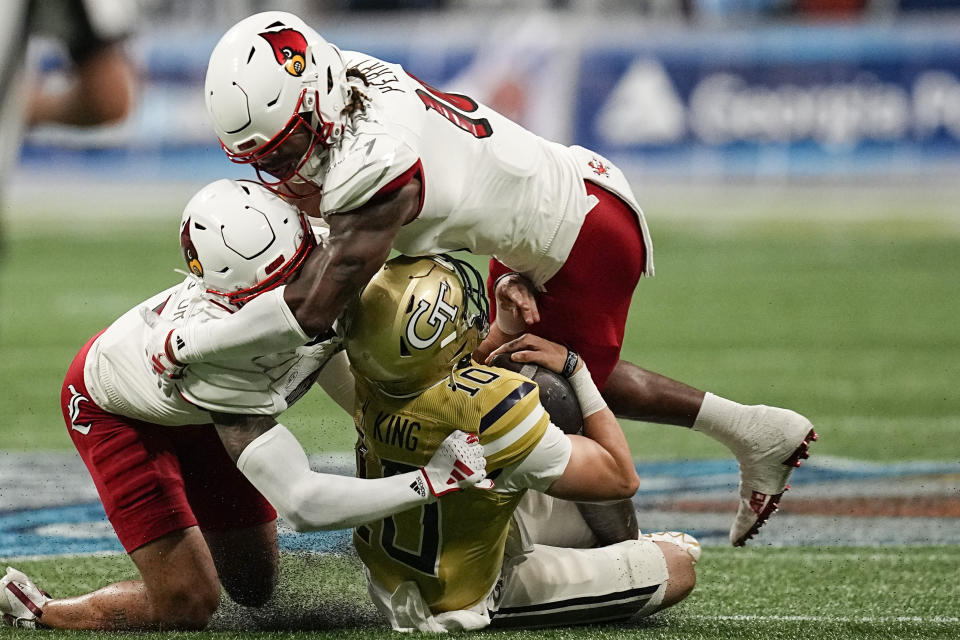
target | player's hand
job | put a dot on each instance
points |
(458, 463)
(531, 348)
(516, 303)
(162, 363)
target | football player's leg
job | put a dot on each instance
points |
(552, 586)
(135, 471)
(768, 442)
(237, 522)
(178, 589)
(543, 519)
(540, 519)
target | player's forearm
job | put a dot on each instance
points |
(601, 426)
(264, 325)
(317, 298)
(277, 466)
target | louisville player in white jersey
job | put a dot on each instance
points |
(435, 568)
(182, 509)
(392, 163)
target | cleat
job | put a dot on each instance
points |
(21, 601)
(683, 540)
(777, 441)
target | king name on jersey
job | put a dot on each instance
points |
(396, 430)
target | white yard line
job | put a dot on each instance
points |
(807, 618)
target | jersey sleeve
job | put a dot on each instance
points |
(512, 425)
(369, 163)
(261, 385)
(541, 467)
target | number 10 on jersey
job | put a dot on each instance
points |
(451, 106)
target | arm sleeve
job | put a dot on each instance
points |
(541, 467)
(277, 466)
(337, 380)
(264, 325)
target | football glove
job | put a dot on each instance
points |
(21, 601)
(159, 356)
(458, 463)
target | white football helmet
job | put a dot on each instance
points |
(242, 240)
(275, 89)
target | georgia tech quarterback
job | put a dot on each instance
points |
(442, 567)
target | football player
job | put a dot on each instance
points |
(390, 162)
(434, 568)
(194, 513)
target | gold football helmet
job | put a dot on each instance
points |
(415, 321)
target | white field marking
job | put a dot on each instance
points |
(64, 556)
(866, 619)
(902, 554)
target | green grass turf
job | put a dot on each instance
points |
(852, 323)
(742, 593)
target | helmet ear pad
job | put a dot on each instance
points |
(556, 394)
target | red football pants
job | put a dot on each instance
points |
(585, 304)
(155, 479)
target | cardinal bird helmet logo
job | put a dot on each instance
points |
(290, 49)
(189, 251)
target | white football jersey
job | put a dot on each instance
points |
(489, 186)
(120, 379)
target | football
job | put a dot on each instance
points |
(556, 394)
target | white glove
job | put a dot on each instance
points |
(458, 463)
(162, 362)
(21, 601)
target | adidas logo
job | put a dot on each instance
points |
(459, 472)
(418, 487)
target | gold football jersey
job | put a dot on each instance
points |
(452, 548)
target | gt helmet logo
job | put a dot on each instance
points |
(289, 48)
(442, 312)
(189, 251)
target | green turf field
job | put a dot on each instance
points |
(851, 321)
(828, 594)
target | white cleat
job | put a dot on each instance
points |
(683, 540)
(779, 439)
(21, 601)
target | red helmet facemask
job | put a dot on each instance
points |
(276, 166)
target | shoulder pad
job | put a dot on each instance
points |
(511, 419)
(368, 159)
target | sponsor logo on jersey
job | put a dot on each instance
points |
(74, 406)
(289, 48)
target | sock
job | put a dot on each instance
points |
(719, 418)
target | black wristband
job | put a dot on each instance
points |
(506, 275)
(570, 364)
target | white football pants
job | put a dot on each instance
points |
(549, 577)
